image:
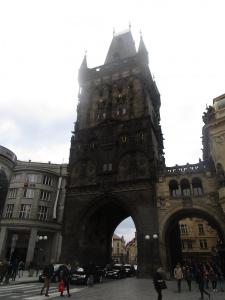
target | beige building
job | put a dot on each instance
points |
(131, 249)
(118, 249)
(197, 239)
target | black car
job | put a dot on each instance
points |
(56, 274)
(79, 275)
(117, 271)
(130, 270)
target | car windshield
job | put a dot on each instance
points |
(127, 266)
(56, 267)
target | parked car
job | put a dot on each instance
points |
(117, 271)
(79, 275)
(130, 270)
(56, 274)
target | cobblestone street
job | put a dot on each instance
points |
(141, 289)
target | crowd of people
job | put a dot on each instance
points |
(9, 270)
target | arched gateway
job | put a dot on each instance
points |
(116, 167)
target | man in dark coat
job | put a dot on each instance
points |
(158, 282)
(47, 272)
(65, 274)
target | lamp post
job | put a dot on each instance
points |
(39, 239)
(153, 249)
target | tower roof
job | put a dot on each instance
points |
(142, 47)
(122, 46)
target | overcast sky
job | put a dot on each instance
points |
(42, 44)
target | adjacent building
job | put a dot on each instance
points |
(33, 212)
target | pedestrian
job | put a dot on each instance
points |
(158, 282)
(65, 275)
(91, 272)
(21, 267)
(15, 265)
(187, 275)
(213, 278)
(201, 282)
(220, 278)
(178, 275)
(47, 272)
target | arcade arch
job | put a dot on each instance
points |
(171, 253)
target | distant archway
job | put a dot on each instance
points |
(171, 232)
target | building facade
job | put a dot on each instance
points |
(116, 170)
(33, 212)
(118, 249)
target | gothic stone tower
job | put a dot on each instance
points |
(116, 152)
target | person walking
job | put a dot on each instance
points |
(65, 275)
(158, 282)
(47, 272)
(187, 275)
(201, 282)
(178, 275)
(21, 267)
(213, 278)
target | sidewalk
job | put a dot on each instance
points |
(23, 279)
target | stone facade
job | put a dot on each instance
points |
(33, 212)
(116, 152)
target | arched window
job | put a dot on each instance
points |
(197, 187)
(220, 174)
(174, 188)
(185, 188)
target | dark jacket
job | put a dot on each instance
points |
(157, 279)
(48, 271)
(64, 273)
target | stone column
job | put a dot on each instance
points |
(31, 246)
(56, 247)
(3, 238)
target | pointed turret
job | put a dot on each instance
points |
(142, 51)
(122, 46)
(83, 69)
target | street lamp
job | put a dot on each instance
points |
(153, 252)
(40, 238)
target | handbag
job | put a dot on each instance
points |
(161, 284)
(61, 286)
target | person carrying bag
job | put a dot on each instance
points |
(159, 283)
(61, 287)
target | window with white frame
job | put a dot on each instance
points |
(47, 180)
(32, 178)
(28, 193)
(25, 210)
(45, 195)
(183, 229)
(16, 178)
(12, 193)
(203, 244)
(43, 213)
(9, 211)
(201, 229)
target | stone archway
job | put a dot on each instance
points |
(169, 230)
(89, 238)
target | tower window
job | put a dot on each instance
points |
(197, 187)
(174, 188)
(185, 188)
